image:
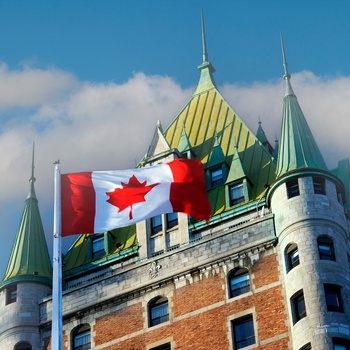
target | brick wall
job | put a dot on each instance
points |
(201, 313)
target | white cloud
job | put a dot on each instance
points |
(323, 100)
(107, 125)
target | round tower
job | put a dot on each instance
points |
(27, 280)
(307, 201)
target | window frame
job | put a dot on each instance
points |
(236, 200)
(156, 304)
(237, 274)
(246, 339)
(156, 223)
(333, 292)
(97, 253)
(293, 189)
(290, 250)
(79, 332)
(329, 244)
(298, 306)
(165, 346)
(340, 342)
(319, 184)
(216, 177)
(306, 347)
(11, 294)
(23, 345)
(172, 220)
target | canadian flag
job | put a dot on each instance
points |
(99, 201)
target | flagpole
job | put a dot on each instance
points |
(56, 327)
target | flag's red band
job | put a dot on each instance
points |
(189, 184)
(78, 203)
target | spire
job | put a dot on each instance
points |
(236, 170)
(298, 148)
(184, 145)
(260, 134)
(204, 43)
(32, 179)
(206, 69)
(29, 260)
(286, 76)
(217, 156)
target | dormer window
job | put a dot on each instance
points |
(98, 248)
(216, 177)
(236, 194)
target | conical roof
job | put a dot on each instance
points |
(210, 121)
(29, 260)
(298, 148)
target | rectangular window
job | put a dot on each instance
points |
(333, 297)
(156, 224)
(159, 311)
(82, 341)
(293, 188)
(239, 282)
(319, 185)
(171, 220)
(166, 346)
(293, 258)
(216, 177)
(298, 306)
(236, 194)
(11, 294)
(341, 344)
(98, 248)
(325, 248)
(243, 332)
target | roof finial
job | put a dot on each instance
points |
(31, 193)
(32, 178)
(204, 44)
(286, 76)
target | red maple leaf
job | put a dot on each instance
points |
(131, 193)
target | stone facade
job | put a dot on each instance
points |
(194, 279)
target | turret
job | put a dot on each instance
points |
(307, 201)
(27, 280)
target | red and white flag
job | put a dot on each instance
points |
(99, 201)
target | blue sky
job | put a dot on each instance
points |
(88, 80)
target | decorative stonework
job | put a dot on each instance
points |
(153, 269)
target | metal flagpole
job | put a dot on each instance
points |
(56, 329)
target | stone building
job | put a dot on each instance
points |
(270, 270)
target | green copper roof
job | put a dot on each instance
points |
(184, 143)
(29, 260)
(298, 148)
(117, 244)
(217, 157)
(260, 134)
(210, 121)
(236, 169)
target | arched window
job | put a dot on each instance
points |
(292, 256)
(23, 345)
(325, 248)
(81, 337)
(239, 282)
(158, 311)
